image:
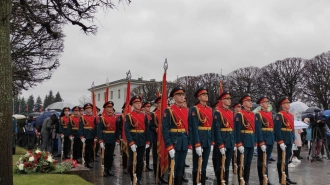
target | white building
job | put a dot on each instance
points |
(117, 92)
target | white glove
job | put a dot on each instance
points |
(83, 140)
(241, 149)
(283, 146)
(263, 148)
(211, 148)
(133, 147)
(223, 151)
(117, 143)
(71, 138)
(62, 136)
(102, 145)
(147, 145)
(235, 148)
(95, 139)
(172, 153)
(199, 151)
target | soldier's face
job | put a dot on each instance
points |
(76, 112)
(109, 110)
(147, 108)
(137, 105)
(226, 101)
(264, 104)
(238, 109)
(81, 112)
(247, 103)
(203, 97)
(179, 98)
(286, 106)
(66, 112)
(88, 110)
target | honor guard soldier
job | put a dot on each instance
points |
(64, 131)
(214, 152)
(74, 136)
(149, 118)
(81, 111)
(237, 107)
(223, 125)
(120, 121)
(87, 132)
(265, 133)
(175, 132)
(154, 136)
(201, 133)
(284, 134)
(137, 134)
(245, 136)
(108, 135)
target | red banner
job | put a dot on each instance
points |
(161, 149)
(220, 92)
(106, 97)
(126, 110)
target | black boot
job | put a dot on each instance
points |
(162, 180)
(178, 180)
(287, 175)
(268, 182)
(259, 168)
(108, 171)
(217, 175)
(203, 178)
(104, 173)
(88, 165)
(227, 176)
(280, 173)
(246, 175)
(149, 169)
(214, 162)
(194, 178)
(184, 179)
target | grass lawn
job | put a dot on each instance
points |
(47, 179)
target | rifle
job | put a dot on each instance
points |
(235, 162)
(102, 162)
(83, 154)
(223, 161)
(283, 179)
(264, 168)
(134, 168)
(241, 179)
(94, 148)
(170, 181)
(62, 149)
(199, 169)
(71, 152)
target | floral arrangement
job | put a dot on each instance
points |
(66, 165)
(35, 161)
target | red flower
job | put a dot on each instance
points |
(46, 157)
(35, 161)
(24, 164)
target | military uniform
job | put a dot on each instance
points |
(87, 130)
(223, 123)
(149, 118)
(237, 104)
(108, 132)
(73, 130)
(245, 136)
(200, 127)
(137, 133)
(64, 131)
(284, 134)
(120, 123)
(175, 134)
(264, 133)
(214, 152)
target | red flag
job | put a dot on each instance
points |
(126, 110)
(161, 149)
(220, 92)
(94, 103)
(40, 110)
(106, 99)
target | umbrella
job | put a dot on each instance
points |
(312, 109)
(59, 105)
(326, 113)
(19, 116)
(45, 115)
(300, 125)
(297, 107)
(34, 114)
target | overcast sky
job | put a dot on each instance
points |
(196, 37)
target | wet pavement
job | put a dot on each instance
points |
(305, 173)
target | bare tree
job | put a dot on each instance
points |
(212, 82)
(242, 81)
(281, 78)
(84, 99)
(316, 77)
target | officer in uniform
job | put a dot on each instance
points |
(64, 131)
(284, 134)
(236, 109)
(245, 136)
(223, 125)
(148, 119)
(264, 132)
(175, 132)
(87, 132)
(137, 134)
(74, 136)
(201, 132)
(153, 126)
(108, 133)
